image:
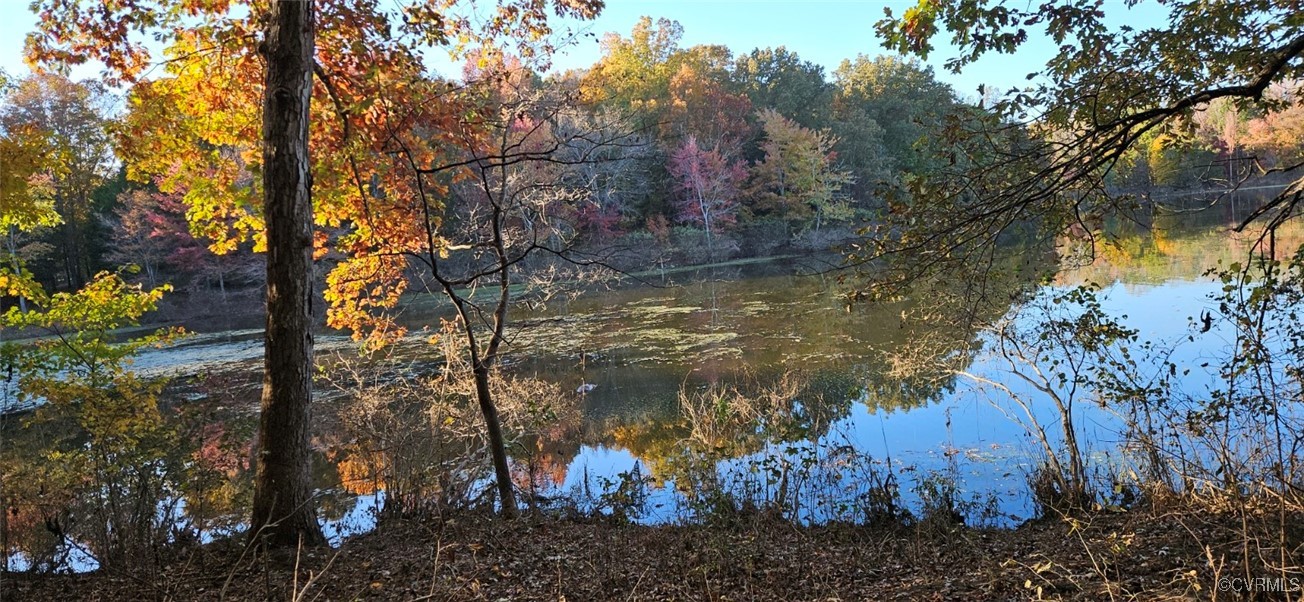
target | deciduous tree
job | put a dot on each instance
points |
(1035, 163)
(901, 96)
(611, 162)
(707, 187)
(635, 73)
(1278, 136)
(702, 106)
(798, 178)
(144, 231)
(24, 145)
(26, 207)
(511, 199)
(66, 121)
(776, 78)
(196, 125)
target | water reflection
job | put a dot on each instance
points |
(733, 379)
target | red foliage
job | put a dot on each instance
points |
(707, 184)
(598, 222)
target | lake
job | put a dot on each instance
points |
(631, 358)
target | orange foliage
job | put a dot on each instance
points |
(362, 473)
(194, 126)
(702, 107)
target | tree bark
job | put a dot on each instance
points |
(497, 443)
(481, 365)
(14, 264)
(283, 509)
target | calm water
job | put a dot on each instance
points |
(625, 354)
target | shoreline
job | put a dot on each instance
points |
(1148, 554)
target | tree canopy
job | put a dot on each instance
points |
(1045, 157)
(239, 73)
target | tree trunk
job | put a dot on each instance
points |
(497, 444)
(481, 366)
(14, 264)
(1077, 486)
(76, 264)
(283, 509)
(706, 224)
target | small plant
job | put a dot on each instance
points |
(106, 448)
(626, 496)
(417, 435)
(940, 507)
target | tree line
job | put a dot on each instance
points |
(759, 150)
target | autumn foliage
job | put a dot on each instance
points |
(708, 184)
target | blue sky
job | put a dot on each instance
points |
(821, 31)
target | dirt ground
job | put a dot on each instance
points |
(1123, 556)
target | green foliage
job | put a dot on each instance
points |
(902, 97)
(1039, 161)
(1260, 301)
(626, 496)
(797, 179)
(109, 444)
(81, 325)
(777, 79)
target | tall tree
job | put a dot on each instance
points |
(283, 511)
(901, 96)
(776, 78)
(1278, 137)
(797, 179)
(702, 106)
(195, 124)
(69, 118)
(150, 230)
(24, 145)
(634, 73)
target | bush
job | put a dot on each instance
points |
(102, 474)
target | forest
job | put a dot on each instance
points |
(697, 155)
(268, 273)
